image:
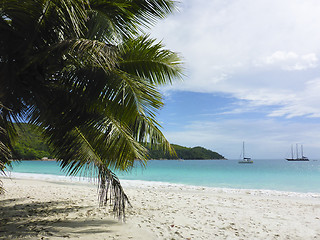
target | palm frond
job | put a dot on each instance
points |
(94, 52)
(7, 133)
(127, 18)
(5, 144)
(109, 183)
(79, 71)
(89, 161)
(146, 59)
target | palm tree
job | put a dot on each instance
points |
(82, 72)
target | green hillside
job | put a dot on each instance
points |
(30, 145)
(185, 153)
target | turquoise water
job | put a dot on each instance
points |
(262, 174)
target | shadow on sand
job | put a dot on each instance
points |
(20, 218)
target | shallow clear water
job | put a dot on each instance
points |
(262, 174)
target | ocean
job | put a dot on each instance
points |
(279, 175)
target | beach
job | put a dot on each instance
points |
(39, 209)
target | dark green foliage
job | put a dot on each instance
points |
(30, 144)
(88, 78)
(185, 153)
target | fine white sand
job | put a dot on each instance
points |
(37, 209)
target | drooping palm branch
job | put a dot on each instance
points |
(79, 70)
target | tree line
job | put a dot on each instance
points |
(185, 153)
(30, 145)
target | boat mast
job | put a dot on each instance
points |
(243, 149)
(291, 151)
(297, 150)
(301, 151)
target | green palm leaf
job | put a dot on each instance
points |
(80, 71)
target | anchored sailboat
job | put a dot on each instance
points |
(244, 158)
(297, 158)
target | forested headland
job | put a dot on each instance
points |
(186, 153)
(31, 146)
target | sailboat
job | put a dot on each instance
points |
(302, 158)
(244, 158)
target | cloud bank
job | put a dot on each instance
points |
(265, 52)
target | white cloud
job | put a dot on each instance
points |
(280, 56)
(304, 102)
(231, 46)
(291, 61)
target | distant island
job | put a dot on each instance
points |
(31, 146)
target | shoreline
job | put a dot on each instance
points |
(35, 209)
(152, 184)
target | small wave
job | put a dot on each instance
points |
(48, 177)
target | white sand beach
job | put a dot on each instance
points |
(37, 209)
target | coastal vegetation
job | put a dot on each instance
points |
(85, 74)
(30, 145)
(186, 153)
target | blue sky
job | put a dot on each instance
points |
(252, 74)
